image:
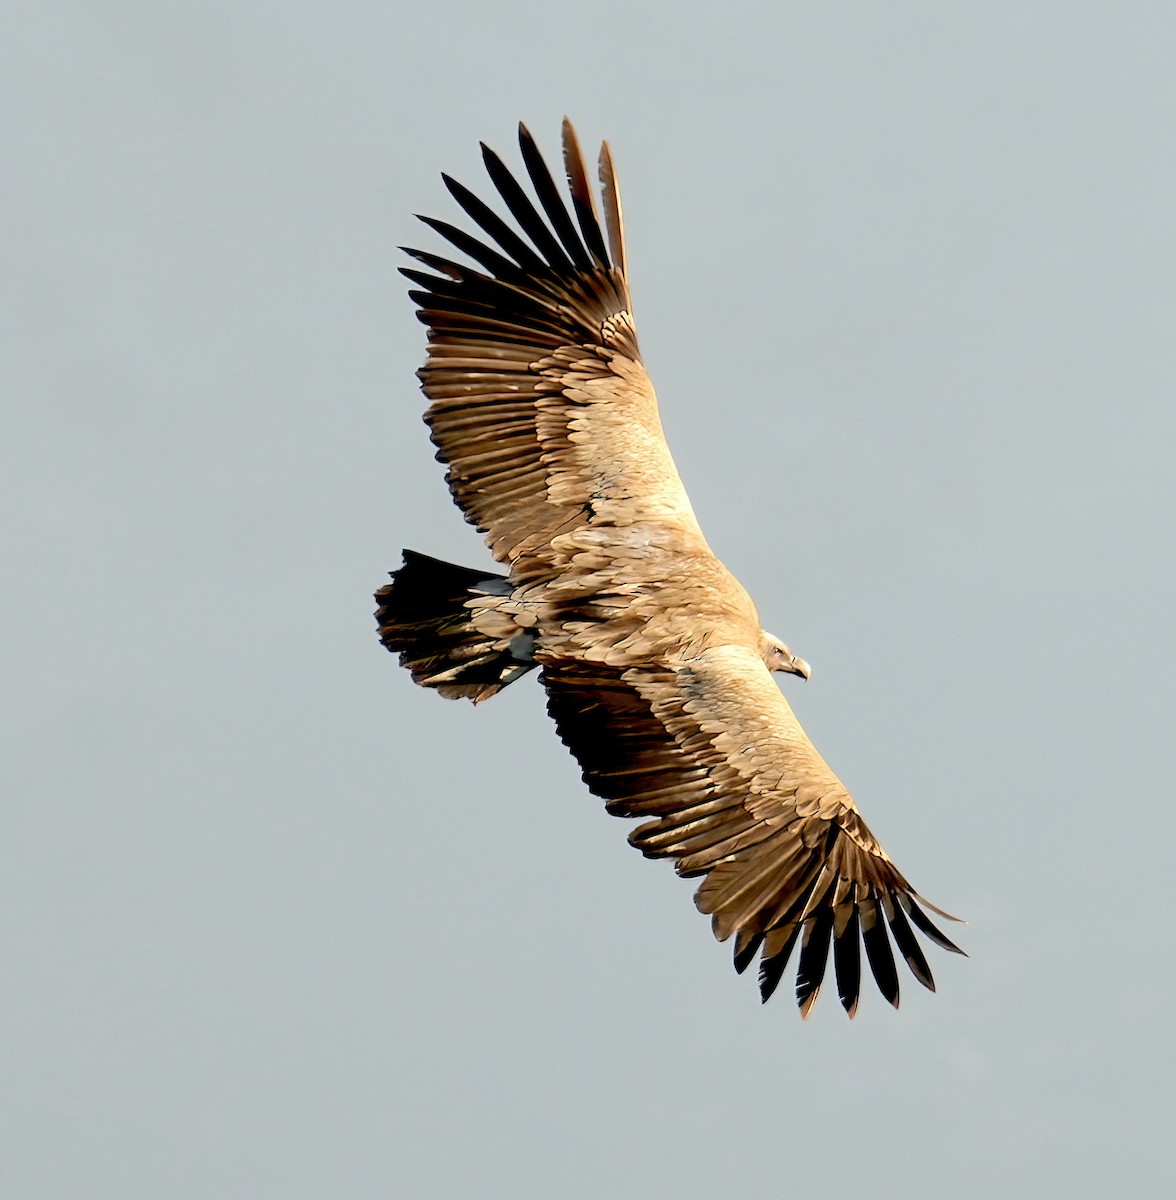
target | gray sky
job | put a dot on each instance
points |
(276, 923)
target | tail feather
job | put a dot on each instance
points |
(424, 616)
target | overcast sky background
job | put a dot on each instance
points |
(276, 923)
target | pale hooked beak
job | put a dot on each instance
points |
(778, 657)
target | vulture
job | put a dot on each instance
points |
(655, 665)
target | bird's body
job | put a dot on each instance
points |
(653, 655)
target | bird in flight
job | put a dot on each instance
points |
(656, 668)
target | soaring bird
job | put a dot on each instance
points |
(656, 667)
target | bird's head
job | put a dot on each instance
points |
(779, 658)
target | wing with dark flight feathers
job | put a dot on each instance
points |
(528, 350)
(709, 750)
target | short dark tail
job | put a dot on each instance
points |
(423, 617)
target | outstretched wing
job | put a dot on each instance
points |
(711, 751)
(539, 401)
